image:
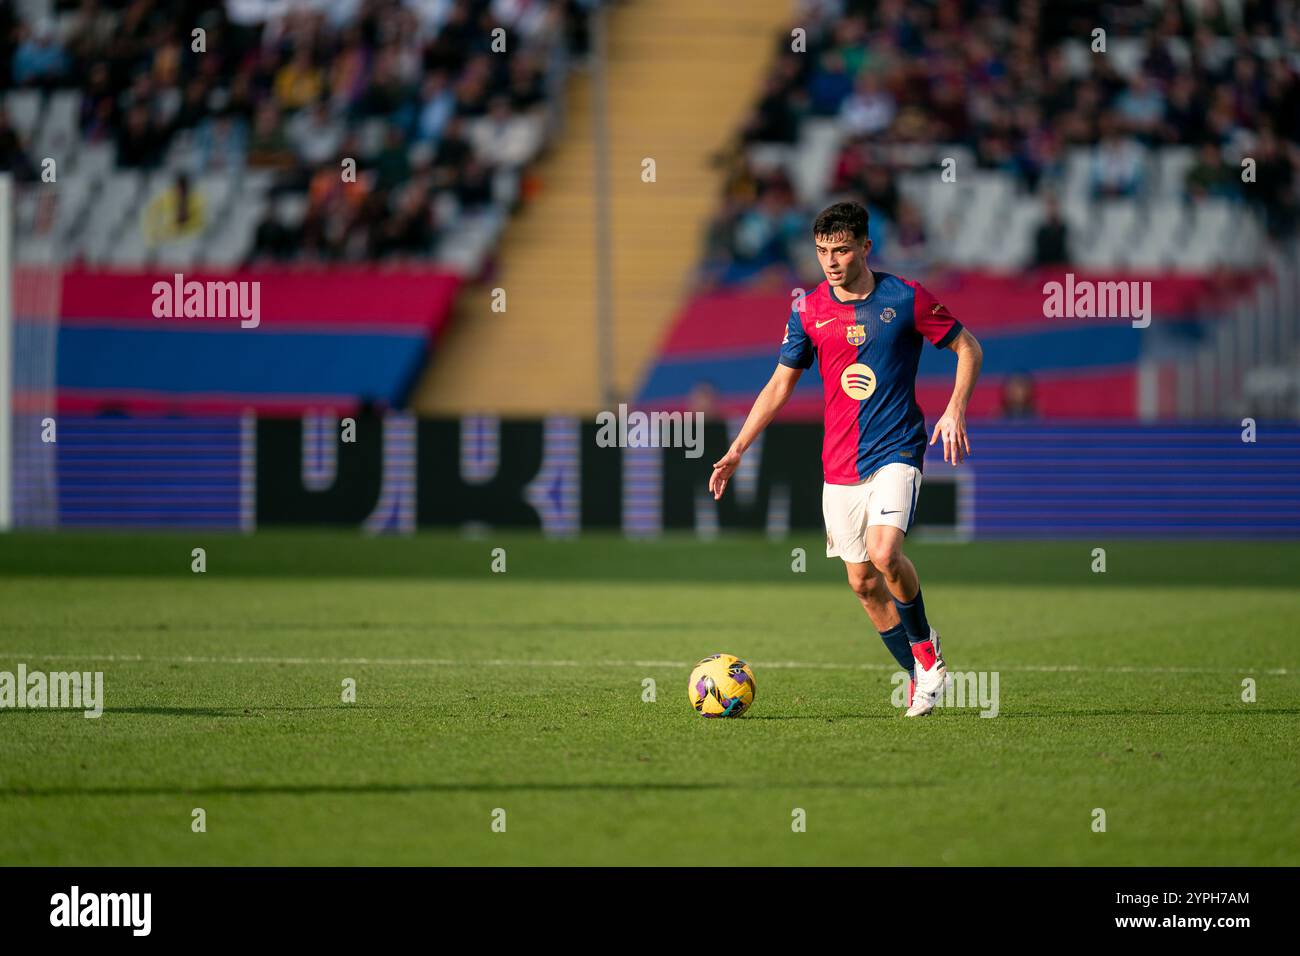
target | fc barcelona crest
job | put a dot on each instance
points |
(857, 334)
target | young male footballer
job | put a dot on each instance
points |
(866, 328)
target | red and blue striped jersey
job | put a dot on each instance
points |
(868, 352)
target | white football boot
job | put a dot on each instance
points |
(930, 681)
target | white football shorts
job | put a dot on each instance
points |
(888, 496)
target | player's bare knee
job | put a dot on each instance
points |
(863, 581)
(888, 557)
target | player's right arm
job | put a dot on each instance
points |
(796, 355)
(769, 402)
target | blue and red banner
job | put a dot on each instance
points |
(321, 339)
(726, 343)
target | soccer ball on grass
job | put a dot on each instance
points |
(721, 686)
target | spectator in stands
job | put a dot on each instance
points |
(390, 95)
(91, 30)
(437, 106)
(315, 134)
(761, 235)
(38, 60)
(269, 146)
(1222, 121)
(1184, 119)
(273, 241)
(529, 18)
(471, 89)
(8, 34)
(527, 88)
(1117, 163)
(176, 213)
(774, 120)
(1157, 62)
(350, 70)
(1246, 85)
(1141, 109)
(831, 84)
(166, 67)
(1052, 237)
(879, 191)
(948, 108)
(13, 155)
(994, 149)
(474, 186)
(391, 164)
(409, 231)
(1282, 94)
(503, 138)
(870, 110)
(997, 80)
(333, 207)
(1213, 18)
(453, 154)
(1039, 153)
(909, 253)
(221, 144)
(299, 82)
(1210, 176)
(1273, 193)
(361, 230)
(1018, 397)
(141, 140)
(239, 100)
(193, 108)
(703, 398)
(291, 87)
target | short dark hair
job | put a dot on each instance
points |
(843, 217)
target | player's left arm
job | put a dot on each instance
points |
(952, 424)
(940, 327)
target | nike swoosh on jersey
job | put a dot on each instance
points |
(827, 322)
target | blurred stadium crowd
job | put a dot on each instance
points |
(1078, 155)
(990, 139)
(232, 152)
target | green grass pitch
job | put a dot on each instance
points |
(523, 691)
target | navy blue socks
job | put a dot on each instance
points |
(896, 641)
(912, 614)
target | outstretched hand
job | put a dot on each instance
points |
(723, 469)
(956, 444)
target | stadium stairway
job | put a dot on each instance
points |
(681, 75)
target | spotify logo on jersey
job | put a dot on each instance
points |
(858, 381)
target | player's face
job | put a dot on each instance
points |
(842, 258)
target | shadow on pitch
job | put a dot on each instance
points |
(200, 711)
(1246, 710)
(393, 627)
(833, 719)
(388, 789)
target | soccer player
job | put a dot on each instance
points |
(866, 328)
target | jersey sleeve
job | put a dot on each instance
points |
(933, 320)
(796, 347)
